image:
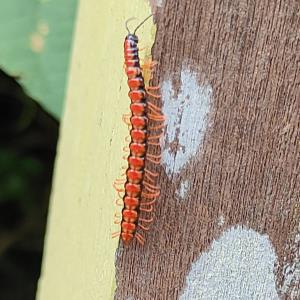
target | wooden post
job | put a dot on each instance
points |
(79, 250)
(227, 223)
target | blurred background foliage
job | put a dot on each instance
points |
(36, 38)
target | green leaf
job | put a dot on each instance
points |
(36, 38)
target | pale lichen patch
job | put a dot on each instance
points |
(221, 221)
(291, 270)
(186, 120)
(156, 3)
(183, 189)
(239, 265)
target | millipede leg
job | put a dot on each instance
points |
(153, 161)
(117, 216)
(140, 238)
(118, 219)
(126, 149)
(148, 175)
(157, 127)
(147, 202)
(117, 189)
(128, 138)
(154, 143)
(120, 196)
(153, 95)
(120, 181)
(149, 189)
(149, 178)
(146, 220)
(154, 174)
(154, 137)
(147, 209)
(115, 234)
(156, 117)
(118, 203)
(153, 158)
(154, 107)
(149, 65)
(151, 185)
(143, 227)
(126, 120)
(150, 195)
(153, 88)
(153, 111)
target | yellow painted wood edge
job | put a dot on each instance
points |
(79, 252)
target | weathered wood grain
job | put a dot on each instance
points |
(238, 198)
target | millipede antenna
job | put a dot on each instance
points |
(130, 19)
(141, 24)
(126, 23)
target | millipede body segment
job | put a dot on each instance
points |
(139, 188)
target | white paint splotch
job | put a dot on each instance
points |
(186, 120)
(183, 189)
(239, 265)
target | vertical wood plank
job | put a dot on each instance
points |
(79, 251)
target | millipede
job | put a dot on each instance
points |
(137, 191)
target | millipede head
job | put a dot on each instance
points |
(132, 37)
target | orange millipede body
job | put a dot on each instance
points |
(136, 174)
(138, 147)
